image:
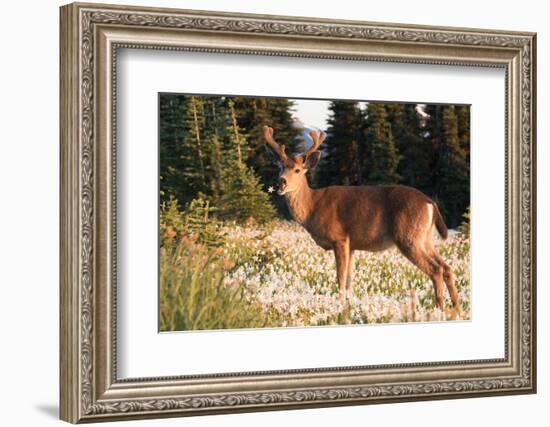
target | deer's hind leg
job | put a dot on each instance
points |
(418, 255)
(448, 275)
(349, 276)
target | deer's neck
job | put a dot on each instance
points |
(300, 203)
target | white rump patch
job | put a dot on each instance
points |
(430, 214)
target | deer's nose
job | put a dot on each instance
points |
(282, 183)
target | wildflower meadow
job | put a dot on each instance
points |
(224, 276)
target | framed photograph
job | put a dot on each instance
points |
(267, 212)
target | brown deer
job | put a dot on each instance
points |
(367, 217)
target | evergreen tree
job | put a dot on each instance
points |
(171, 132)
(379, 154)
(194, 180)
(215, 165)
(340, 164)
(463, 121)
(186, 148)
(216, 141)
(414, 165)
(451, 171)
(242, 194)
(243, 197)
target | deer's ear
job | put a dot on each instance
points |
(312, 160)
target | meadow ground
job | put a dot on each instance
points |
(276, 276)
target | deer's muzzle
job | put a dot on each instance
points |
(282, 187)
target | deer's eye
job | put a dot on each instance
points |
(297, 170)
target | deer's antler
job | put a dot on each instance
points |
(317, 140)
(279, 149)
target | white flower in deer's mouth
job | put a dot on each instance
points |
(270, 189)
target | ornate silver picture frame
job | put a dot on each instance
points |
(90, 388)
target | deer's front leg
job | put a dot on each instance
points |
(341, 253)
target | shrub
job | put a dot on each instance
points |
(195, 223)
(464, 227)
(243, 199)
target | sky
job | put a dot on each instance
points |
(314, 112)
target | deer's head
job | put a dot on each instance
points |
(292, 170)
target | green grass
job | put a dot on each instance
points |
(193, 295)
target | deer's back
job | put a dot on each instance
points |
(371, 217)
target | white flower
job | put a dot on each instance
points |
(270, 189)
(298, 280)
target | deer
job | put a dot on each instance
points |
(370, 218)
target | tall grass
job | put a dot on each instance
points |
(193, 294)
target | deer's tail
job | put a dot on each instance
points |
(440, 223)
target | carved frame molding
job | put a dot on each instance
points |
(90, 37)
